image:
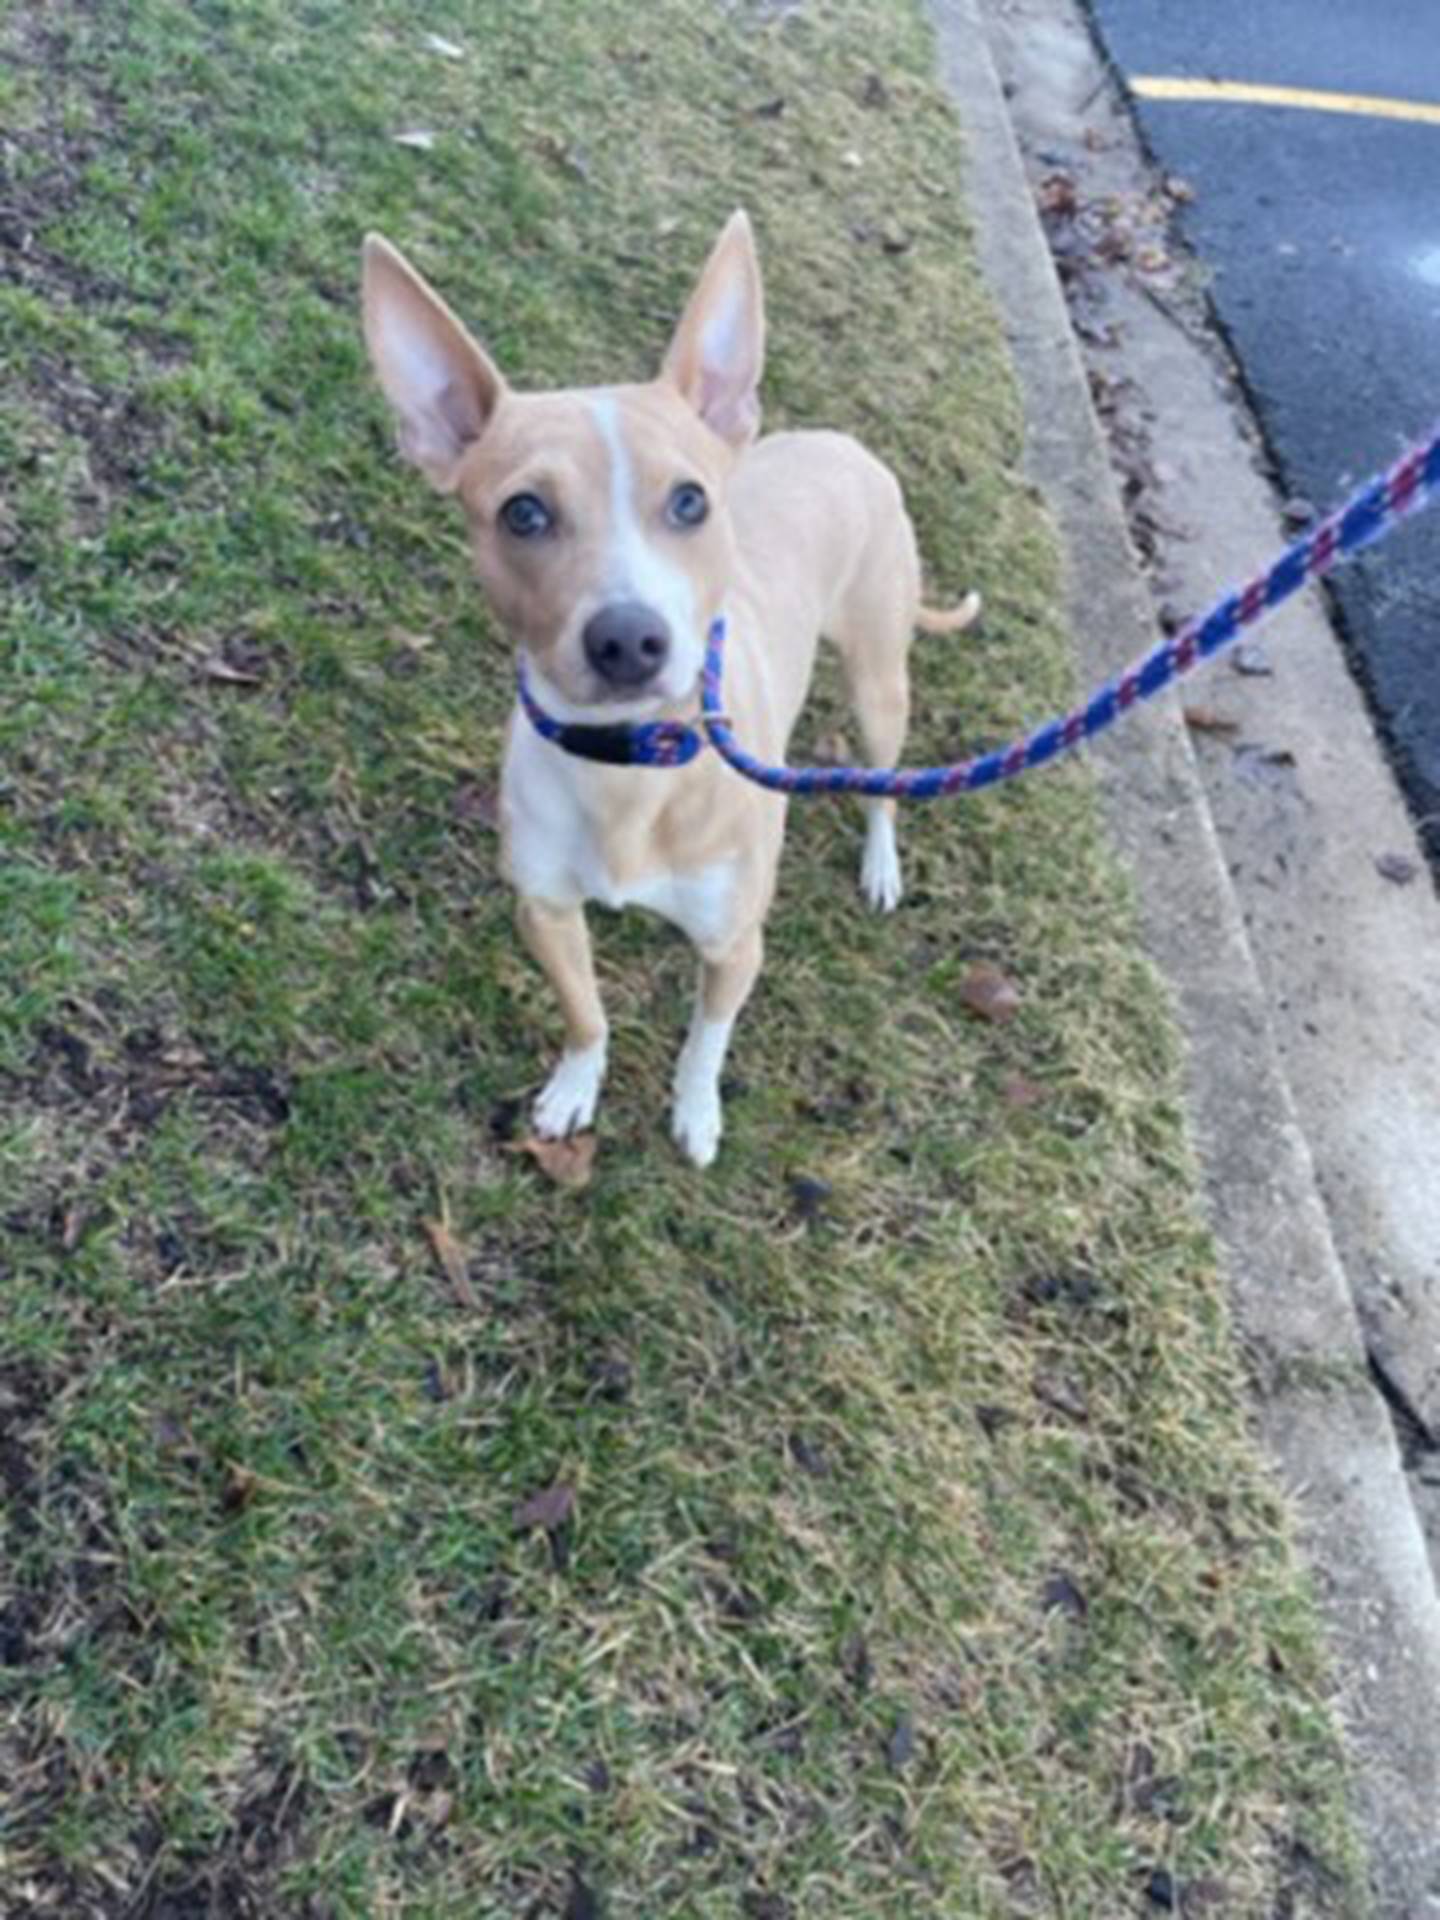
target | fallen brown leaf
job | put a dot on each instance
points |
(476, 804)
(451, 1256)
(569, 1163)
(989, 994)
(1017, 1091)
(1056, 194)
(1207, 720)
(549, 1508)
(1117, 243)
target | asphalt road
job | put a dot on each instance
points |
(1322, 232)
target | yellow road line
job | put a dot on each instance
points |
(1152, 86)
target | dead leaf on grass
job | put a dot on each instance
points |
(569, 1163)
(564, 154)
(551, 1507)
(1206, 1895)
(1063, 1396)
(239, 1488)
(453, 1263)
(1018, 1092)
(809, 1197)
(989, 994)
(1060, 1594)
(900, 1747)
(218, 668)
(477, 803)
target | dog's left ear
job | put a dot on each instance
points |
(718, 351)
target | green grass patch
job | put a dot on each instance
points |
(914, 1558)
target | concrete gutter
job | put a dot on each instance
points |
(1319, 1416)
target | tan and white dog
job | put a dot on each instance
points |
(610, 526)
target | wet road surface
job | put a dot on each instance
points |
(1321, 230)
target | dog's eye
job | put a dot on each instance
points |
(687, 505)
(525, 515)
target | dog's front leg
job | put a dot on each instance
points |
(725, 983)
(560, 941)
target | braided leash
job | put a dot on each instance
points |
(1371, 513)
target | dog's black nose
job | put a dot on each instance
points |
(627, 643)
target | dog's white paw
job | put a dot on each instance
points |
(880, 864)
(568, 1102)
(695, 1122)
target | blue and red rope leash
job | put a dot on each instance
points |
(1378, 507)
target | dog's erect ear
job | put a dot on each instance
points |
(441, 383)
(718, 351)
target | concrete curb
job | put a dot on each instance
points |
(1318, 1415)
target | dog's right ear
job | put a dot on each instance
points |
(441, 383)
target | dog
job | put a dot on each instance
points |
(610, 526)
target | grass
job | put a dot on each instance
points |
(908, 1552)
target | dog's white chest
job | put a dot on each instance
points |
(697, 902)
(555, 850)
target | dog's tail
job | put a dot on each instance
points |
(949, 619)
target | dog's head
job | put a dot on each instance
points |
(598, 517)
